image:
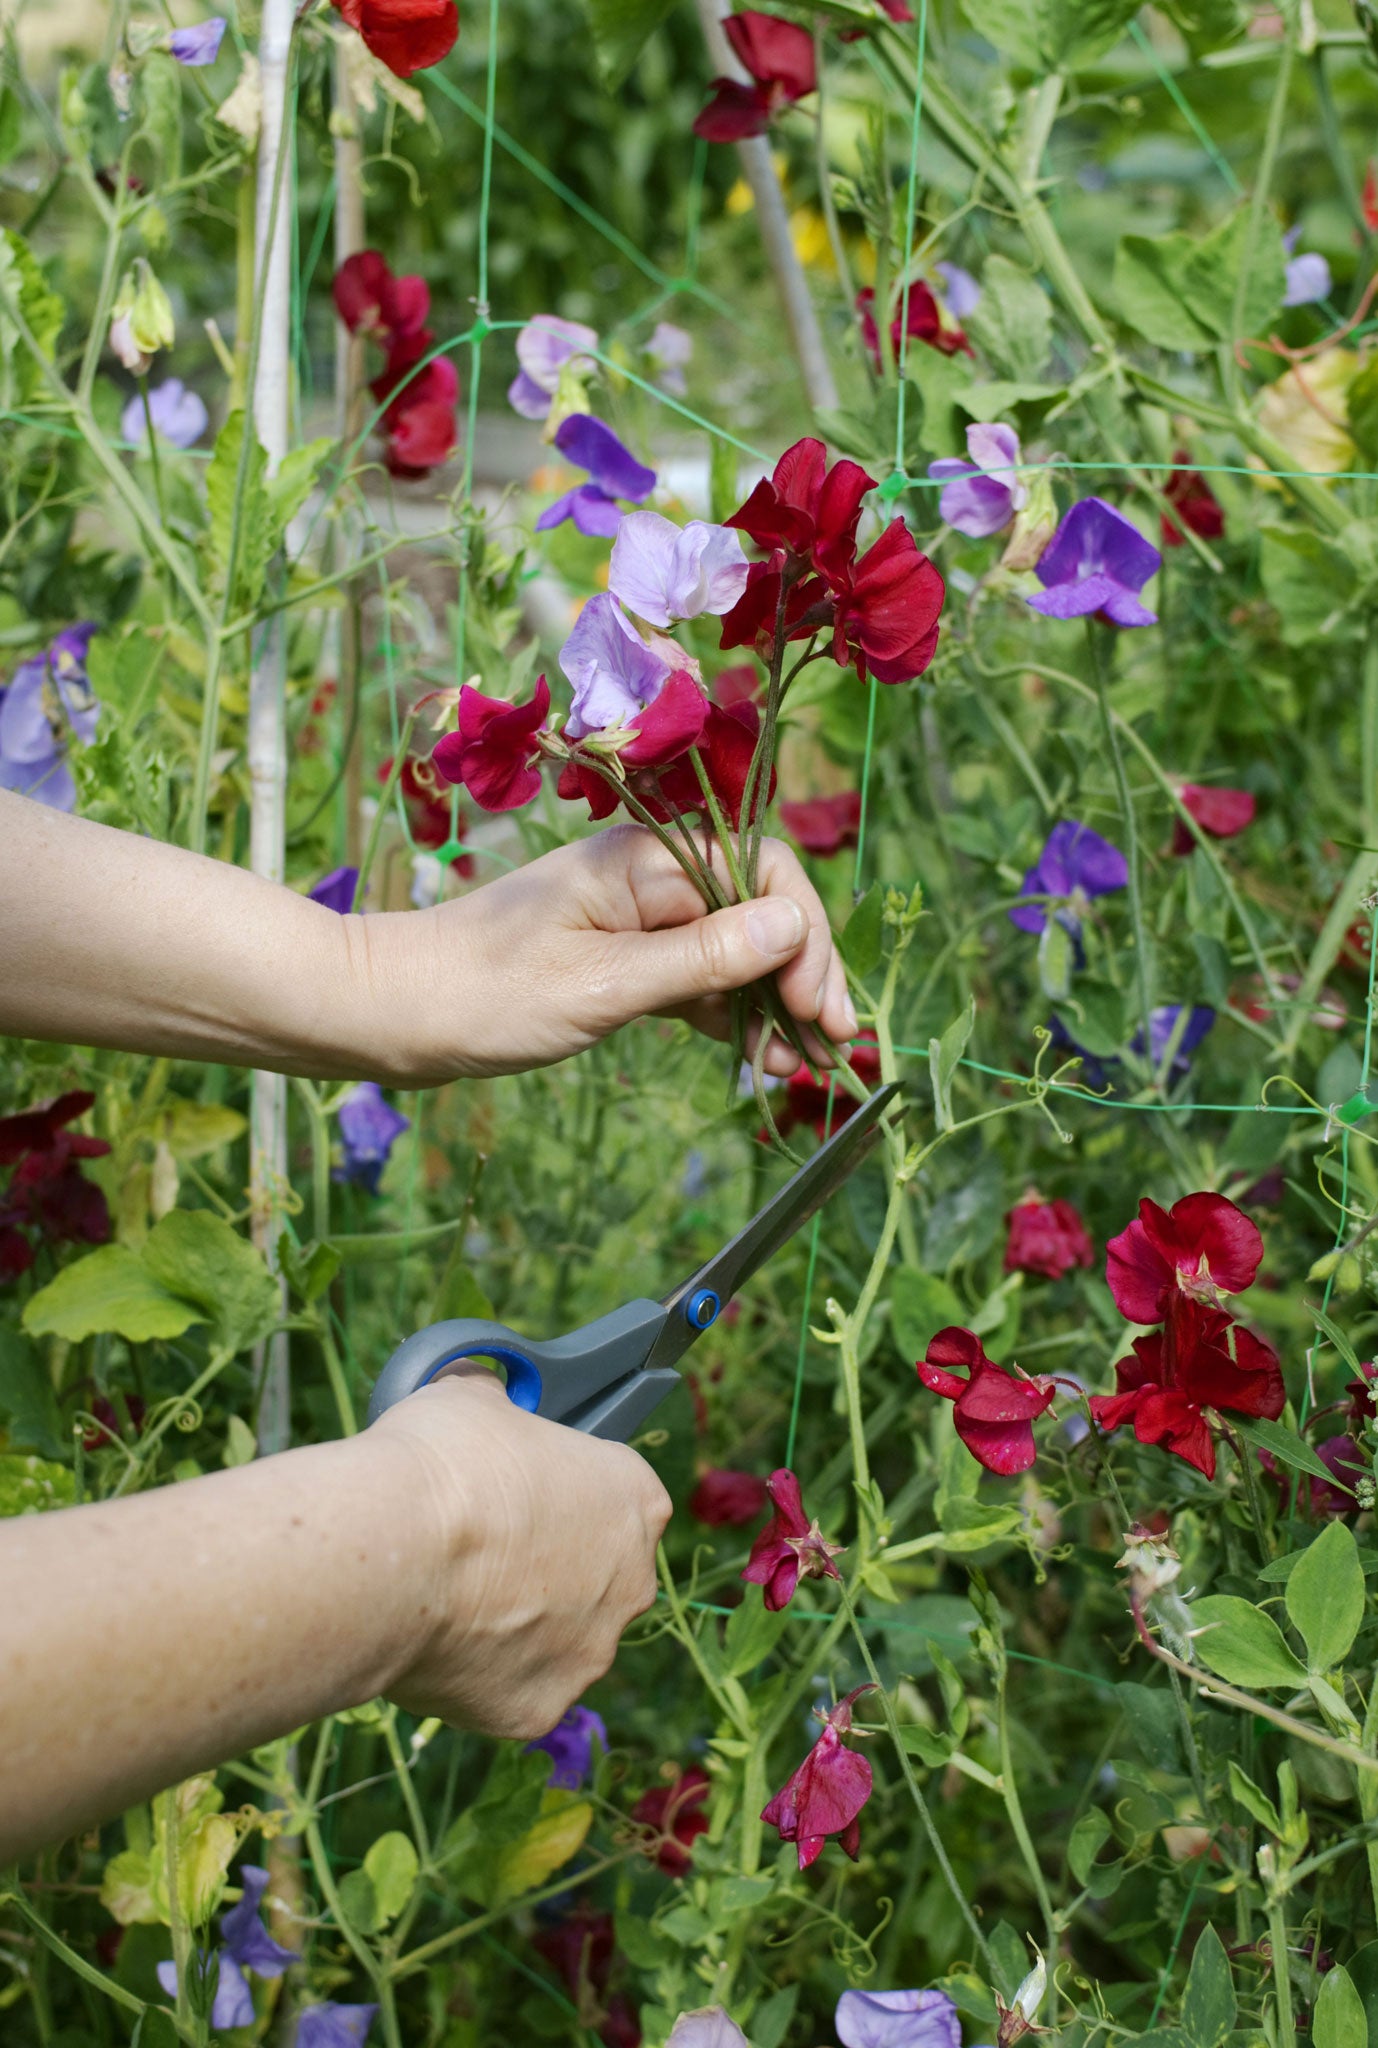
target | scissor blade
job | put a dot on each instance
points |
(775, 1224)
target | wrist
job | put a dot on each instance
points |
(404, 994)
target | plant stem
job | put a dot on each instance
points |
(1142, 956)
(1009, 1787)
(1282, 1979)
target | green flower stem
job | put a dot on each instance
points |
(1368, 1789)
(177, 1924)
(1009, 1789)
(1142, 956)
(105, 291)
(727, 1694)
(379, 1977)
(408, 1790)
(97, 1979)
(417, 1958)
(1282, 1978)
(1258, 206)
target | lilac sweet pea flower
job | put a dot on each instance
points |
(897, 2019)
(662, 571)
(611, 670)
(569, 1746)
(670, 348)
(1097, 561)
(200, 44)
(614, 472)
(709, 2027)
(47, 705)
(334, 2026)
(369, 1128)
(1075, 865)
(960, 289)
(246, 1945)
(1308, 275)
(544, 346)
(985, 493)
(336, 890)
(178, 415)
(233, 2004)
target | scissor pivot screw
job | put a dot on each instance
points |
(702, 1309)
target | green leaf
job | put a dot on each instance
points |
(751, 1634)
(357, 1902)
(1148, 284)
(920, 1305)
(29, 1486)
(942, 381)
(1361, 401)
(1207, 24)
(1310, 582)
(1241, 1644)
(199, 1255)
(27, 1400)
(1084, 1844)
(1013, 323)
(1208, 2004)
(505, 1809)
(23, 284)
(190, 1130)
(292, 484)
(1179, 293)
(930, 1745)
(1248, 1795)
(1339, 2019)
(11, 124)
(944, 1054)
(1363, 1972)
(860, 944)
(621, 30)
(1283, 1444)
(1093, 1015)
(771, 2019)
(249, 537)
(1050, 35)
(1325, 1597)
(391, 1866)
(109, 1292)
(952, 1688)
(1056, 959)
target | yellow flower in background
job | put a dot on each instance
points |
(809, 233)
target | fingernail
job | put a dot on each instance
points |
(850, 1016)
(775, 925)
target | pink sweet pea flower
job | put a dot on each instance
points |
(826, 1794)
(824, 824)
(1048, 1238)
(789, 1547)
(495, 750)
(545, 345)
(1202, 1247)
(1220, 812)
(994, 1412)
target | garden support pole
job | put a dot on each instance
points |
(267, 748)
(349, 419)
(772, 217)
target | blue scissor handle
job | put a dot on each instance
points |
(591, 1379)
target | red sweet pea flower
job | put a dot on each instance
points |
(724, 1499)
(428, 808)
(923, 318)
(581, 1948)
(418, 405)
(806, 1096)
(1046, 1237)
(1202, 1247)
(826, 1794)
(1200, 1359)
(1347, 1465)
(887, 609)
(805, 507)
(370, 300)
(47, 1193)
(751, 621)
(1359, 1392)
(790, 1546)
(994, 1412)
(673, 1811)
(495, 749)
(726, 748)
(825, 824)
(406, 35)
(740, 684)
(780, 59)
(1195, 504)
(1220, 812)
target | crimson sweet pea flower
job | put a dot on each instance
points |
(1220, 812)
(726, 747)
(418, 405)
(826, 1794)
(428, 808)
(371, 300)
(887, 609)
(803, 506)
(790, 1546)
(1200, 1359)
(1046, 1237)
(994, 1412)
(1201, 1248)
(1195, 504)
(674, 1812)
(406, 35)
(825, 824)
(663, 730)
(922, 316)
(495, 749)
(780, 59)
(724, 1499)
(581, 1948)
(48, 1195)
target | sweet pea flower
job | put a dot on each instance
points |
(1167, 1031)
(897, 2019)
(245, 1945)
(708, 2027)
(371, 299)
(1200, 1248)
(922, 320)
(673, 1812)
(669, 349)
(664, 572)
(1075, 866)
(46, 707)
(824, 824)
(805, 507)
(780, 59)
(336, 890)
(1307, 276)
(1198, 1360)
(613, 470)
(569, 1745)
(726, 743)
(545, 347)
(1218, 811)
(496, 747)
(886, 609)
(994, 1412)
(199, 44)
(179, 415)
(334, 2026)
(789, 1547)
(369, 1128)
(1097, 561)
(724, 1499)
(613, 673)
(962, 292)
(826, 1794)
(407, 36)
(985, 493)
(48, 1200)
(1047, 1238)
(1194, 503)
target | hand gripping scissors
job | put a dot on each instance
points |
(606, 1378)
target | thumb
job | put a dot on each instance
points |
(725, 950)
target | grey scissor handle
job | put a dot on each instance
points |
(592, 1379)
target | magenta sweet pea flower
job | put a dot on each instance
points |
(789, 1547)
(569, 1745)
(613, 673)
(47, 706)
(1307, 276)
(1097, 561)
(613, 470)
(334, 2026)
(897, 2019)
(369, 1128)
(336, 890)
(826, 1794)
(544, 346)
(1075, 865)
(199, 44)
(664, 572)
(985, 493)
(960, 289)
(669, 349)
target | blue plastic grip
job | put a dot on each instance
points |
(524, 1384)
(702, 1309)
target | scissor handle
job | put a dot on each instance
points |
(591, 1379)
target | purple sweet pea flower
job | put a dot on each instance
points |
(200, 44)
(662, 571)
(334, 2026)
(985, 493)
(1308, 275)
(569, 1745)
(1097, 561)
(897, 2019)
(960, 289)
(233, 2004)
(247, 1941)
(614, 472)
(544, 346)
(178, 415)
(670, 348)
(1163, 1029)
(709, 2027)
(336, 890)
(1075, 865)
(48, 705)
(369, 1127)
(611, 670)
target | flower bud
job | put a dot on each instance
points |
(1034, 525)
(1017, 2019)
(142, 321)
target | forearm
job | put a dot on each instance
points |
(144, 1639)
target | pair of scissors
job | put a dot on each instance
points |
(606, 1378)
